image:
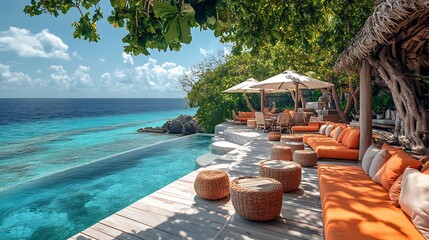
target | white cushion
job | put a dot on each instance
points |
(379, 159)
(337, 132)
(414, 199)
(329, 130)
(368, 157)
(322, 128)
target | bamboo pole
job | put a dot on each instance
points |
(365, 110)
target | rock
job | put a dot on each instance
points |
(175, 127)
(184, 124)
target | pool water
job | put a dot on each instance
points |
(62, 204)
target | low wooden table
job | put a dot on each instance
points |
(257, 198)
(286, 172)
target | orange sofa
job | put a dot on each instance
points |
(327, 147)
(244, 116)
(355, 207)
(312, 127)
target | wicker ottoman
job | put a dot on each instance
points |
(306, 158)
(295, 146)
(291, 138)
(257, 198)
(281, 152)
(212, 184)
(274, 136)
(251, 123)
(286, 172)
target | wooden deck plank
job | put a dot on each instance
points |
(175, 212)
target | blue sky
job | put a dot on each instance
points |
(40, 58)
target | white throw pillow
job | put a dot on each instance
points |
(368, 157)
(379, 160)
(329, 129)
(337, 132)
(322, 129)
(414, 199)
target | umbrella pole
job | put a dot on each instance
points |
(262, 100)
(297, 98)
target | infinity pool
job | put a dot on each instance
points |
(64, 203)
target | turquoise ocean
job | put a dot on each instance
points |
(60, 171)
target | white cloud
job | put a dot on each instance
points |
(148, 77)
(12, 78)
(43, 44)
(102, 60)
(128, 59)
(226, 52)
(79, 79)
(76, 55)
(205, 52)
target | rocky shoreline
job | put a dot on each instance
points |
(184, 125)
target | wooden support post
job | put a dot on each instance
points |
(365, 112)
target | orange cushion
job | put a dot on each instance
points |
(342, 134)
(426, 171)
(311, 128)
(392, 150)
(337, 152)
(395, 190)
(353, 140)
(425, 165)
(354, 207)
(347, 135)
(395, 167)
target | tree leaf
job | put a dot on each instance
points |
(122, 3)
(164, 10)
(185, 31)
(171, 30)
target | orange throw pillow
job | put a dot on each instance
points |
(395, 191)
(341, 136)
(347, 135)
(395, 167)
(392, 150)
(426, 171)
(353, 140)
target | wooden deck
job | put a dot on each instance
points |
(175, 212)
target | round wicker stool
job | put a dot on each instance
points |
(212, 184)
(281, 152)
(286, 172)
(291, 138)
(257, 198)
(274, 136)
(251, 123)
(306, 158)
(295, 146)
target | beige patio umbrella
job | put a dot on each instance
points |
(291, 80)
(245, 87)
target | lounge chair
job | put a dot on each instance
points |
(283, 121)
(235, 117)
(261, 122)
(298, 118)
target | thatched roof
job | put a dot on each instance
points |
(389, 17)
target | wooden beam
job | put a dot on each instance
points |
(297, 97)
(262, 100)
(365, 112)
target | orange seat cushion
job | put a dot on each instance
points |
(395, 167)
(353, 139)
(337, 152)
(392, 150)
(309, 128)
(305, 137)
(354, 207)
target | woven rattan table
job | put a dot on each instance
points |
(295, 146)
(212, 184)
(274, 136)
(286, 172)
(291, 138)
(257, 198)
(251, 123)
(281, 152)
(306, 158)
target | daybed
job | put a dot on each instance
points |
(355, 207)
(312, 127)
(341, 142)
